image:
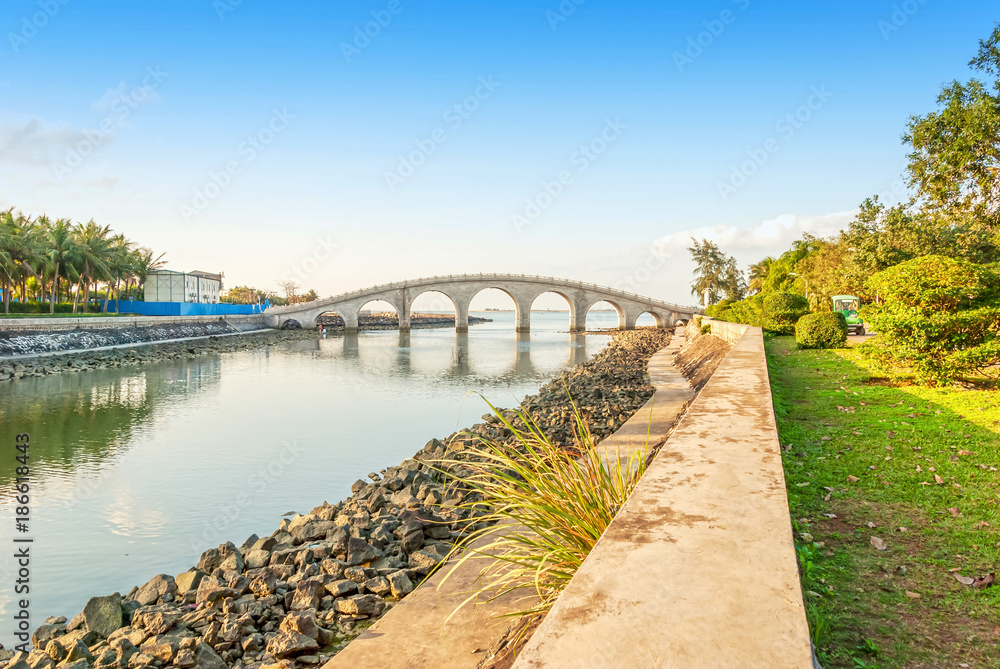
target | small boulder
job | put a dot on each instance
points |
(400, 584)
(359, 605)
(307, 594)
(155, 588)
(290, 643)
(359, 552)
(189, 580)
(103, 615)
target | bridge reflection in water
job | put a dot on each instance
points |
(456, 355)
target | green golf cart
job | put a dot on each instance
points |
(848, 305)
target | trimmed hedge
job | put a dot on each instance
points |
(776, 312)
(822, 330)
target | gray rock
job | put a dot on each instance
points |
(155, 588)
(378, 585)
(313, 530)
(341, 588)
(265, 544)
(400, 584)
(307, 594)
(251, 540)
(256, 559)
(424, 560)
(211, 590)
(359, 552)
(103, 615)
(290, 643)
(207, 658)
(189, 580)
(45, 633)
(303, 622)
(75, 664)
(360, 605)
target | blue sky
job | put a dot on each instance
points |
(268, 140)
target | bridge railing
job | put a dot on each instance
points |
(380, 288)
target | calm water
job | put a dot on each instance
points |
(136, 471)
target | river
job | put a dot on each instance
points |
(137, 470)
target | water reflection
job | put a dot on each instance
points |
(79, 420)
(137, 470)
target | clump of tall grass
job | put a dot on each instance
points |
(539, 507)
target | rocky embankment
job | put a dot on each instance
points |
(292, 599)
(122, 357)
(15, 342)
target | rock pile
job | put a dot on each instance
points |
(293, 599)
(14, 342)
(121, 357)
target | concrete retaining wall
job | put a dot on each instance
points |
(698, 569)
(58, 324)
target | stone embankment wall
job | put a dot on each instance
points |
(294, 598)
(58, 324)
(698, 569)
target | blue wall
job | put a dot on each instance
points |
(184, 309)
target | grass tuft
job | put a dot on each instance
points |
(539, 508)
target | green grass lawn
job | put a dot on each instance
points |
(916, 468)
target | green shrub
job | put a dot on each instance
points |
(706, 329)
(33, 307)
(822, 330)
(939, 319)
(782, 311)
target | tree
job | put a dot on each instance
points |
(289, 287)
(955, 160)
(939, 319)
(92, 254)
(716, 274)
(61, 254)
(758, 274)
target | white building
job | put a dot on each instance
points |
(165, 285)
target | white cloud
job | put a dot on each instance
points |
(771, 237)
(36, 141)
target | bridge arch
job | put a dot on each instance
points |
(622, 314)
(460, 308)
(659, 321)
(516, 300)
(570, 302)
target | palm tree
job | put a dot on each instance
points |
(145, 263)
(715, 272)
(61, 253)
(758, 274)
(93, 253)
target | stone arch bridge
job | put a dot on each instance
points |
(460, 289)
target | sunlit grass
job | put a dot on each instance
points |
(540, 508)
